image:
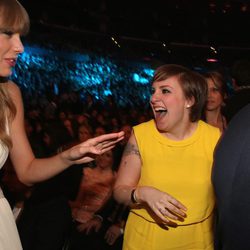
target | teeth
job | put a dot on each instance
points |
(160, 110)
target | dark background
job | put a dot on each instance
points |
(159, 28)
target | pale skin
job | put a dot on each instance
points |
(29, 169)
(173, 122)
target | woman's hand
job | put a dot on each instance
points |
(88, 150)
(162, 204)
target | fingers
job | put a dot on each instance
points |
(171, 214)
(165, 206)
(112, 137)
(176, 203)
(174, 211)
(159, 213)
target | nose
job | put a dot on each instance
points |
(209, 93)
(154, 97)
(17, 44)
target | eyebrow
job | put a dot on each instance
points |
(165, 86)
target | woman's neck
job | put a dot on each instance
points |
(215, 118)
(183, 132)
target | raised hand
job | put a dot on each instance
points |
(88, 150)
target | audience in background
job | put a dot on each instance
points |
(241, 80)
(94, 192)
(110, 218)
(45, 222)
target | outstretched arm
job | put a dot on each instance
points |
(29, 169)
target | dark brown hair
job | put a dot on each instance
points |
(192, 83)
(218, 81)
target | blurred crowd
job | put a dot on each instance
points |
(75, 209)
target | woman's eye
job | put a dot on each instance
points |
(7, 32)
(165, 91)
(152, 91)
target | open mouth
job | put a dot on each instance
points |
(159, 112)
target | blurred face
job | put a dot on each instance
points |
(169, 105)
(83, 134)
(67, 124)
(62, 116)
(105, 160)
(10, 47)
(214, 99)
(81, 119)
(127, 132)
(99, 131)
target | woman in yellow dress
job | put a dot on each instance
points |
(166, 168)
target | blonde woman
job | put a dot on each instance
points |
(14, 22)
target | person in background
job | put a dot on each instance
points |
(240, 72)
(217, 93)
(85, 132)
(165, 171)
(231, 179)
(118, 151)
(94, 192)
(14, 22)
(107, 226)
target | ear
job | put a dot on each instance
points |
(189, 103)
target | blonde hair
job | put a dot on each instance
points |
(13, 18)
(7, 114)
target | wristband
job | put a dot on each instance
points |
(133, 197)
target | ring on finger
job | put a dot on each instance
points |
(162, 211)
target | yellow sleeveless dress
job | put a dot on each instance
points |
(182, 169)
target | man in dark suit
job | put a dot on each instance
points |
(241, 80)
(231, 179)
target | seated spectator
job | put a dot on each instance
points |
(85, 132)
(94, 192)
(105, 229)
